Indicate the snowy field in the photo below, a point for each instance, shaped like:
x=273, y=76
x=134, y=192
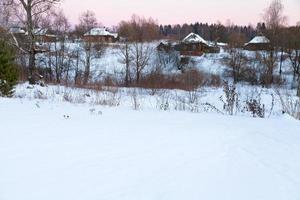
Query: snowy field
x=55, y=150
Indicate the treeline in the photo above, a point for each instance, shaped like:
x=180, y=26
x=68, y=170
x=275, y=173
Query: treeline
x=210, y=32
x=142, y=29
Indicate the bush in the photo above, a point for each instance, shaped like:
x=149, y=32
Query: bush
x=267, y=80
x=189, y=80
x=290, y=105
x=231, y=101
x=250, y=75
x=256, y=108
x=8, y=70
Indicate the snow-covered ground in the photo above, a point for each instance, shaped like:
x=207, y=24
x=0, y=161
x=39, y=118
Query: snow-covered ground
x=52, y=149
x=205, y=99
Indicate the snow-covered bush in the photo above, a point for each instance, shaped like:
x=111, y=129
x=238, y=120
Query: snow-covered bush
x=39, y=95
x=74, y=98
x=231, y=100
x=135, y=101
x=190, y=101
x=111, y=99
x=253, y=104
x=290, y=105
x=256, y=108
x=163, y=102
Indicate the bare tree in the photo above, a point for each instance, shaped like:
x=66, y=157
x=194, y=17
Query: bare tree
x=275, y=19
x=93, y=50
x=268, y=61
x=141, y=56
x=292, y=48
x=293, y=51
x=125, y=57
x=236, y=59
x=6, y=12
x=139, y=29
x=30, y=12
x=274, y=16
x=77, y=61
x=61, y=27
x=87, y=21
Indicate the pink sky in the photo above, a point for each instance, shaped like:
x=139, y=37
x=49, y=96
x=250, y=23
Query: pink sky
x=242, y=12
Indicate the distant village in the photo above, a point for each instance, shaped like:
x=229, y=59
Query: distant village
x=191, y=45
x=141, y=52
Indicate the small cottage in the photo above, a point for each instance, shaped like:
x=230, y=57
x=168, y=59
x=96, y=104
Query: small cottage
x=100, y=35
x=258, y=43
x=43, y=35
x=192, y=45
x=17, y=31
x=195, y=45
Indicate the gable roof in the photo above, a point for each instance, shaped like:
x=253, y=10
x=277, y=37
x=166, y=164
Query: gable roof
x=259, y=40
x=194, y=38
x=100, y=32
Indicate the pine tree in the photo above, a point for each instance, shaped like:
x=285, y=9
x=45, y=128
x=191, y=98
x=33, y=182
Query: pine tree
x=8, y=71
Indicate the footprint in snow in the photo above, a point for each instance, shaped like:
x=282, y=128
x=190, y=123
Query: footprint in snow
x=93, y=111
x=66, y=116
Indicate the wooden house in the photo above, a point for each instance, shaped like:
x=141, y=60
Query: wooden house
x=258, y=43
x=17, y=31
x=43, y=35
x=195, y=45
x=100, y=35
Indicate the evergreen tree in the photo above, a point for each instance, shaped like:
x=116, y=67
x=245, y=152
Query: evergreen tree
x=8, y=71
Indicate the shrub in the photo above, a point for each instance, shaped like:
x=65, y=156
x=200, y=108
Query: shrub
x=250, y=75
x=8, y=70
x=256, y=108
x=231, y=101
x=105, y=98
x=266, y=80
x=290, y=105
x=189, y=80
x=215, y=81
x=163, y=102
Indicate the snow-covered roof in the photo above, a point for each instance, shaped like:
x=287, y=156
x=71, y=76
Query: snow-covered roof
x=259, y=40
x=39, y=31
x=16, y=30
x=101, y=32
x=194, y=38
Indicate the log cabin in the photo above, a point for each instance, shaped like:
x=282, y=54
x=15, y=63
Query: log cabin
x=43, y=36
x=100, y=35
x=195, y=45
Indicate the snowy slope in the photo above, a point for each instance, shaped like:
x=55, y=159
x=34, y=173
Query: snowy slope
x=123, y=154
x=176, y=100
x=109, y=64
